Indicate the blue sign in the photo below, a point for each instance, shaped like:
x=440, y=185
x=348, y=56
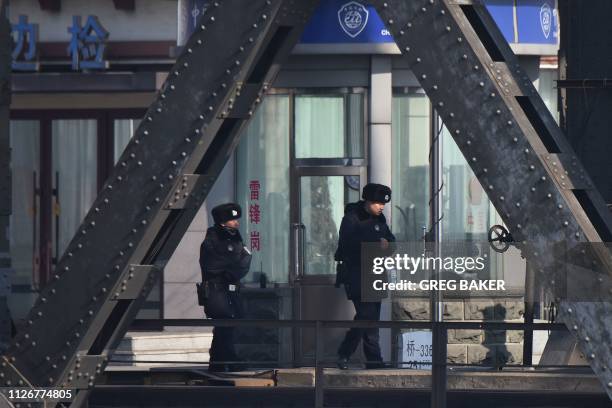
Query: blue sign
x=24, y=49
x=345, y=22
x=502, y=12
x=538, y=22
x=524, y=22
x=88, y=44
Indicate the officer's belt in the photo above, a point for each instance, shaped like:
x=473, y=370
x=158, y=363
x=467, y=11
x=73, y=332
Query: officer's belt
x=224, y=286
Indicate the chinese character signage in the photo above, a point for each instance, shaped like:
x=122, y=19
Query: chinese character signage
x=86, y=44
x=254, y=215
x=25, y=37
x=416, y=350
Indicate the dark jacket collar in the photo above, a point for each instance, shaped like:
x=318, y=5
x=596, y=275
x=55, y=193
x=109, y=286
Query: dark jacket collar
x=359, y=209
x=225, y=233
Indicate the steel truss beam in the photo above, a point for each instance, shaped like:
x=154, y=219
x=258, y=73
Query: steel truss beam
x=161, y=180
x=520, y=156
x=474, y=81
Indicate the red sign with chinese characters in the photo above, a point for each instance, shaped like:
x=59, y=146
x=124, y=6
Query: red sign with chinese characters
x=254, y=214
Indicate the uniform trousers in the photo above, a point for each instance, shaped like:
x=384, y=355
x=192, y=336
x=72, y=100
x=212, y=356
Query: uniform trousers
x=369, y=336
x=223, y=304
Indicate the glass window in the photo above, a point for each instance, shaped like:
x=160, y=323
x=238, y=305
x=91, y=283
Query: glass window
x=25, y=159
x=322, y=202
x=75, y=172
x=262, y=168
x=468, y=214
x=410, y=166
x=329, y=126
x=123, y=130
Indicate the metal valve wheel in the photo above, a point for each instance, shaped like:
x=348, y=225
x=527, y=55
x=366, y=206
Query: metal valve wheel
x=499, y=238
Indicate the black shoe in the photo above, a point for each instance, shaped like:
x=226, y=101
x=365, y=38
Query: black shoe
x=343, y=363
x=377, y=365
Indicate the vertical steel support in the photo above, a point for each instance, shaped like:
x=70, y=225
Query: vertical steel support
x=5, y=174
x=438, y=369
x=528, y=316
x=439, y=334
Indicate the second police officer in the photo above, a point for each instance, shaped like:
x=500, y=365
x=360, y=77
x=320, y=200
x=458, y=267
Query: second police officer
x=363, y=222
x=224, y=260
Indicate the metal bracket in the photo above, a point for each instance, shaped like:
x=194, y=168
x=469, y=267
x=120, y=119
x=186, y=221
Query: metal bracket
x=84, y=370
x=134, y=281
x=239, y=104
x=187, y=192
x=500, y=73
x=566, y=171
x=10, y=375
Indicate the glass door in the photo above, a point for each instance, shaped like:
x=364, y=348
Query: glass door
x=24, y=231
x=321, y=194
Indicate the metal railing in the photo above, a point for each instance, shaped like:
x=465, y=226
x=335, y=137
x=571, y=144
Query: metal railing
x=439, y=355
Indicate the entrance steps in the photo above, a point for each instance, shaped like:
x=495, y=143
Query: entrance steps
x=154, y=349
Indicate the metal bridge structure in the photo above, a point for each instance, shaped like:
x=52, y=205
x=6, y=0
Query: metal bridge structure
x=474, y=81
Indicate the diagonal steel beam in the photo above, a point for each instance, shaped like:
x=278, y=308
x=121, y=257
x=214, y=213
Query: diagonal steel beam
x=160, y=181
x=467, y=70
x=519, y=155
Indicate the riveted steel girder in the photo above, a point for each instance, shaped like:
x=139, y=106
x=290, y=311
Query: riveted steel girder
x=519, y=154
x=160, y=181
x=474, y=81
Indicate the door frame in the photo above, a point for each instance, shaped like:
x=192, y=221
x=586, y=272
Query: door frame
x=297, y=173
x=297, y=282
x=105, y=145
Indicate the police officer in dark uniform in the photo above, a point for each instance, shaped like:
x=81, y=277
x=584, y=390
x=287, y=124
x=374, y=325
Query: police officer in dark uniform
x=224, y=260
x=363, y=221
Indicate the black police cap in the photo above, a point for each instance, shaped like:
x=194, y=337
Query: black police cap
x=226, y=212
x=376, y=192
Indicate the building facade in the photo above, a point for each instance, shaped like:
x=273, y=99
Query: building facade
x=345, y=110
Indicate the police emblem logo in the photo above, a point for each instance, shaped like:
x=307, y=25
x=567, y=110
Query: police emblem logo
x=386, y=197
x=546, y=16
x=377, y=227
x=353, y=18
x=230, y=248
x=234, y=213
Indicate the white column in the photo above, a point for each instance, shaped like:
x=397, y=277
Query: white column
x=381, y=94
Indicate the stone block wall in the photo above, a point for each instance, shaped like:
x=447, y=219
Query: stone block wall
x=487, y=347
x=264, y=343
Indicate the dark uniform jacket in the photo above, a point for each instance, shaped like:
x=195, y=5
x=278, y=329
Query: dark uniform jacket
x=223, y=258
x=357, y=226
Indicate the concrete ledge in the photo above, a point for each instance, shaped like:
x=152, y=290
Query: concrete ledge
x=460, y=381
